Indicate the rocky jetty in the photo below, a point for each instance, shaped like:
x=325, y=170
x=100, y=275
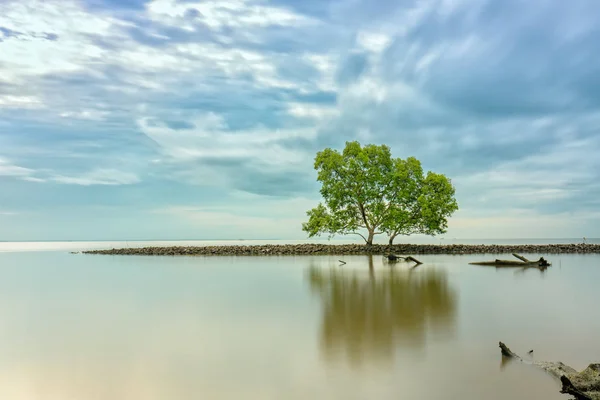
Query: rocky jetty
x=350, y=249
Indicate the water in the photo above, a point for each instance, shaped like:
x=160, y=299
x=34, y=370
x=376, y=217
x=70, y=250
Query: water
x=163, y=328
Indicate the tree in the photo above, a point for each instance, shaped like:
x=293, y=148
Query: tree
x=418, y=204
x=365, y=189
x=353, y=189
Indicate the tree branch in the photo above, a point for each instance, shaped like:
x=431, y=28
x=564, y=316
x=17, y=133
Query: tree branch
x=364, y=215
x=359, y=234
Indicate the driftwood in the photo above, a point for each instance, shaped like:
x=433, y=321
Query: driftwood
x=524, y=262
x=395, y=258
x=411, y=258
x=508, y=263
x=583, y=385
x=520, y=257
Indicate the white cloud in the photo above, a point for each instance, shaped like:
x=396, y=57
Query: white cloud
x=215, y=60
x=99, y=177
x=373, y=41
x=54, y=38
x=23, y=102
x=34, y=179
x=326, y=64
x=556, y=174
x=219, y=14
x=210, y=139
x=90, y=115
x=33, y=53
x=313, y=111
x=8, y=169
x=426, y=60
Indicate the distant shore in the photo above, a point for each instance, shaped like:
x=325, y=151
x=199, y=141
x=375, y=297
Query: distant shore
x=349, y=249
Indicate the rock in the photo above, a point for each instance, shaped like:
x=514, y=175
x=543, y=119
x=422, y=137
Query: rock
x=351, y=249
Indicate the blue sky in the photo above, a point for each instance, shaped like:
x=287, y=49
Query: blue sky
x=171, y=119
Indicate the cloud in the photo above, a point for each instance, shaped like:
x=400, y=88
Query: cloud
x=208, y=153
x=531, y=224
x=276, y=217
x=312, y=111
x=209, y=137
x=8, y=169
x=238, y=14
x=479, y=101
x=93, y=115
x=239, y=95
x=21, y=102
x=372, y=41
x=99, y=177
x=48, y=42
x=94, y=177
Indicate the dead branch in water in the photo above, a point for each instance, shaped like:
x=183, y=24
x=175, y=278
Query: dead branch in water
x=520, y=257
x=411, y=258
x=524, y=262
x=508, y=263
x=395, y=258
x=583, y=385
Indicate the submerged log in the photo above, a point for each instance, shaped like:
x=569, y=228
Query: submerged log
x=395, y=258
x=524, y=262
x=510, y=263
x=583, y=385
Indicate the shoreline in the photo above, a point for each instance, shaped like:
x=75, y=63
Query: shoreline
x=350, y=249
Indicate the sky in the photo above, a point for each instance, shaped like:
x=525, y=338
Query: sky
x=189, y=119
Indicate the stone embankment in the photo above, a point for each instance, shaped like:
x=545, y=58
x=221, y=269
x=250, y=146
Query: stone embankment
x=350, y=249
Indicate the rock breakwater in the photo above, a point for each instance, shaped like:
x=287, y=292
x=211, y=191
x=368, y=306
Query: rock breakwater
x=350, y=249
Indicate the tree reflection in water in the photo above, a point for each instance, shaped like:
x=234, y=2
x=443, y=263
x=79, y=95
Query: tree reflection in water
x=367, y=314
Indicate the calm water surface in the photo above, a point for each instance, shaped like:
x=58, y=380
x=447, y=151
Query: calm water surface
x=161, y=328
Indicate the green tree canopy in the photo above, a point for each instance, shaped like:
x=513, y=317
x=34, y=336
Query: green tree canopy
x=367, y=192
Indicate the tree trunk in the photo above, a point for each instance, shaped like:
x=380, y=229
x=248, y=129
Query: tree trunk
x=392, y=237
x=370, y=238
